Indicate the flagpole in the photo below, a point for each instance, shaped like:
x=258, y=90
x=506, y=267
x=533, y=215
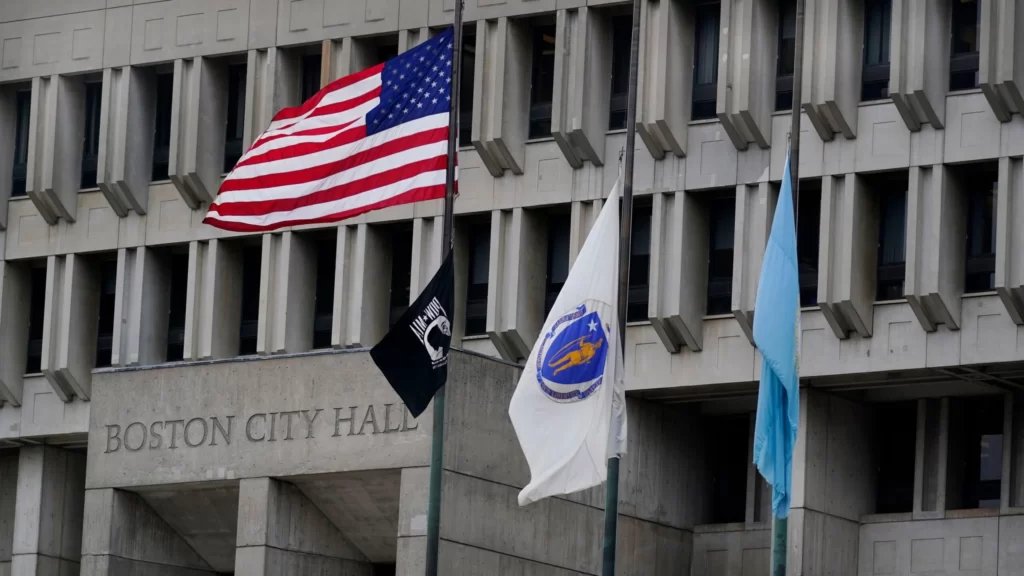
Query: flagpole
x=437, y=438
x=780, y=529
x=611, y=502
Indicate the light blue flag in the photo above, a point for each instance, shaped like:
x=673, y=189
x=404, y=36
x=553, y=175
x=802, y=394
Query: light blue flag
x=777, y=336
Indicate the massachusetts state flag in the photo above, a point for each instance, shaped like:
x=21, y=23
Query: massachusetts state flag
x=372, y=139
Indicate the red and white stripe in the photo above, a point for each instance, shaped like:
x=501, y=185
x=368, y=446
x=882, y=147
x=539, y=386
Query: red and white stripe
x=315, y=163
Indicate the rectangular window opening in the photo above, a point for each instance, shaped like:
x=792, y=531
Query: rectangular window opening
x=22, y=111
x=785, y=55
x=722, y=213
x=105, y=325
x=323, y=308
x=979, y=184
x=466, y=86
x=963, y=54
x=36, y=315
x=895, y=443
x=236, y=116
x=892, y=235
x=875, y=74
x=622, y=31
x=639, y=264
x=91, y=144
x=310, y=82
x=476, y=281
x=727, y=441
x=557, y=261
x=178, y=279
x=252, y=261
x=162, y=131
x=705, y=60
x=807, y=230
x=401, y=271
x=975, y=453
x=542, y=78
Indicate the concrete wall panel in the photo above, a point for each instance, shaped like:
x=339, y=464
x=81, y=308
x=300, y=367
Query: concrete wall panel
x=187, y=28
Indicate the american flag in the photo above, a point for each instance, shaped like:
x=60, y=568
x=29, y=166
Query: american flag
x=372, y=139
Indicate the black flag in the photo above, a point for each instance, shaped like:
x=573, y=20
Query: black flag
x=414, y=355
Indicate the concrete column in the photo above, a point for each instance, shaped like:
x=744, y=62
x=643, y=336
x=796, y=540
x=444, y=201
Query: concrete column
x=140, y=308
x=1011, y=496
x=746, y=71
x=347, y=56
x=8, y=497
x=679, y=270
x=264, y=95
x=362, y=278
x=196, y=159
x=834, y=32
x=123, y=536
x=281, y=533
x=408, y=39
x=501, y=94
x=213, y=306
x=69, y=325
x=48, y=513
x=1001, y=55
x=664, y=87
x=287, y=294
x=930, y=463
x=127, y=122
x=583, y=59
x=755, y=209
x=582, y=218
x=1009, y=278
x=515, y=282
x=919, y=61
x=56, y=136
x=8, y=125
x=427, y=237
x=935, y=246
x=15, y=284
x=411, y=556
x=759, y=492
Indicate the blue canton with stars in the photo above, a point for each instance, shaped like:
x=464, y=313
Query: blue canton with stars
x=414, y=84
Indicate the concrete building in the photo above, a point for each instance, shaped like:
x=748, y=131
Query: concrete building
x=179, y=400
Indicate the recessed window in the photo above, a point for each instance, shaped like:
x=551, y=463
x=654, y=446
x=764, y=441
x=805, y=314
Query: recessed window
x=36, y=315
x=975, y=452
x=401, y=272
x=622, y=33
x=705, y=60
x=162, y=132
x=981, y=232
x=476, y=285
x=727, y=443
x=892, y=244
x=105, y=326
x=236, y=116
x=91, y=145
x=895, y=448
x=963, y=59
x=785, y=55
x=178, y=281
x=639, y=264
x=557, y=259
x=542, y=78
x=807, y=230
x=252, y=260
x=466, y=86
x=386, y=51
x=722, y=213
x=22, y=111
x=875, y=74
x=310, y=82
x=323, y=308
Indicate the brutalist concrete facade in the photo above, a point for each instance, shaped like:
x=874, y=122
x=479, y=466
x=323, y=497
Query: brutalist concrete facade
x=217, y=441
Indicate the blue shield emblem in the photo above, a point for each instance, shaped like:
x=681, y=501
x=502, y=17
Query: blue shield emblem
x=571, y=359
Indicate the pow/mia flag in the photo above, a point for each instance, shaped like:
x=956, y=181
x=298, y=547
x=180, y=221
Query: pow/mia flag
x=414, y=355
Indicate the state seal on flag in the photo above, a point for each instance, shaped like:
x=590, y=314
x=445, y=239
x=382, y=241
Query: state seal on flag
x=571, y=359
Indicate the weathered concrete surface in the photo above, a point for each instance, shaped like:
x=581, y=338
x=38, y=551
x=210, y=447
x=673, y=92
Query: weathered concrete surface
x=48, y=513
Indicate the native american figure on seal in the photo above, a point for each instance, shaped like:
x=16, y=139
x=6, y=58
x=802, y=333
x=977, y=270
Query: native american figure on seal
x=575, y=353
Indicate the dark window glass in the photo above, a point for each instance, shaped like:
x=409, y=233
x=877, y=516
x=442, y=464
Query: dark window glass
x=557, y=259
x=542, y=78
x=105, y=325
x=310, y=76
x=401, y=272
x=23, y=109
x=622, y=30
x=875, y=76
x=236, y=116
x=386, y=52
x=785, y=57
x=639, y=264
x=727, y=445
x=981, y=239
x=892, y=245
x=36, y=315
x=963, y=62
x=896, y=446
x=705, y=60
x=384, y=569
x=808, y=222
x=722, y=215
x=975, y=452
x=162, y=134
x=252, y=260
x=91, y=145
x=476, y=285
x=466, y=86
x=176, y=306
x=323, y=313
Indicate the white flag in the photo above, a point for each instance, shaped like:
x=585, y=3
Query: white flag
x=569, y=406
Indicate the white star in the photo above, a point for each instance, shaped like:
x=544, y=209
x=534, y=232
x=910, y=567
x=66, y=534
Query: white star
x=435, y=100
x=406, y=111
x=592, y=326
x=433, y=84
x=435, y=68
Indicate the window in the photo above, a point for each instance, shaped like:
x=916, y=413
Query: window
x=875, y=76
x=323, y=308
x=176, y=305
x=91, y=145
x=639, y=264
x=310, y=83
x=401, y=272
x=476, y=288
x=727, y=445
x=892, y=245
x=963, y=60
x=387, y=51
x=557, y=259
x=23, y=108
x=466, y=86
x=36, y=315
x=162, y=133
x=622, y=32
x=236, y=116
x=722, y=215
x=105, y=325
x=807, y=225
x=252, y=260
x=542, y=78
x=785, y=56
x=705, y=60
x=975, y=452
x=981, y=238
x=895, y=449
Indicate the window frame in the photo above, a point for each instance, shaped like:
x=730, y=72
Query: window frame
x=540, y=110
x=22, y=114
x=875, y=76
x=93, y=110
x=963, y=62
x=705, y=95
x=234, y=126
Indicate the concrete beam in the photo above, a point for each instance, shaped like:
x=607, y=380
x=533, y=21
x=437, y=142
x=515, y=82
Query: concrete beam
x=746, y=71
x=1001, y=55
x=501, y=94
x=213, y=302
x=362, y=277
x=70, y=325
x=127, y=123
x=679, y=270
x=919, y=61
x=664, y=88
x=56, y=136
x=582, y=92
x=49, y=510
x=831, y=84
x=196, y=159
x=15, y=286
x=755, y=208
x=1009, y=276
x=427, y=237
x=515, y=284
x=287, y=294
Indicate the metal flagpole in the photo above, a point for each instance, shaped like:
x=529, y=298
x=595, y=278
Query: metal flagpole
x=437, y=439
x=611, y=502
x=781, y=525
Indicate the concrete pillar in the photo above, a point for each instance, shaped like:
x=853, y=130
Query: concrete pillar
x=408, y=39
x=48, y=513
x=15, y=284
x=1012, y=486
x=69, y=325
x=919, y=61
x=347, y=56
x=362, y=278
x=127, y=122
x=931, y=456
x=582, y=218
x=196, y=159
x=664, y=87
x=281, y=533
x=1009, y=278
x=411, y=555
x=8, y=497
x=213, y=305
x=56, y=136
x=582, y=92
x=501, y=94
x=427, y=237
x=834, y=31
x=935, y=246
x=679, y=270
x=287, y=294
x=755, y=209
x=1001, y=56
x=123, y=536
x=515, y=295
x=264, y=93
x=746, y=71
x=140, y=308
